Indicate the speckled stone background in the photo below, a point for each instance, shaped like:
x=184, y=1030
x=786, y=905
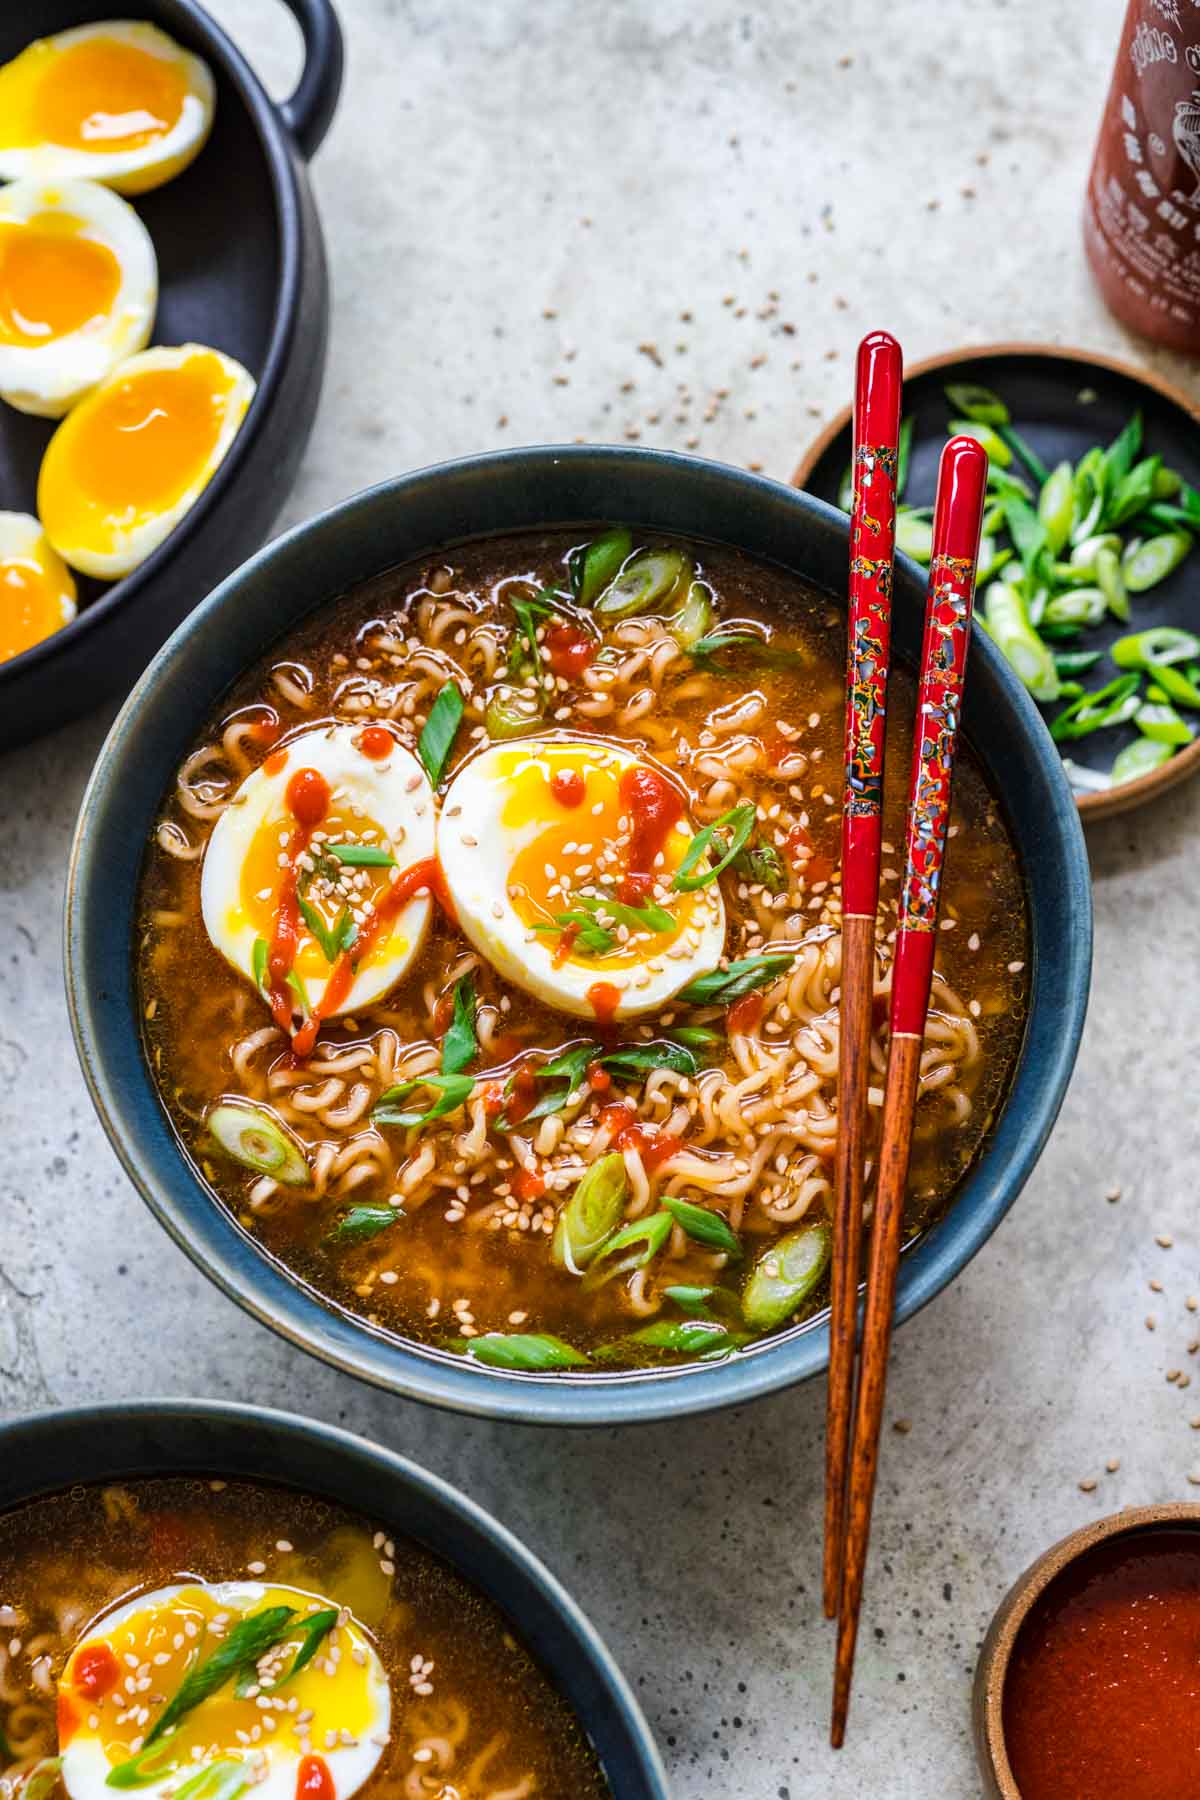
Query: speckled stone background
x=623, y=168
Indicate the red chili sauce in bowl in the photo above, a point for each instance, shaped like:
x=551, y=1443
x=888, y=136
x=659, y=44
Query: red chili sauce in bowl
x=1102, y=1693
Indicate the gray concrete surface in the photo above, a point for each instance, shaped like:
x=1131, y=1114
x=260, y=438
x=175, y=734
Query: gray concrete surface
x=918, y=165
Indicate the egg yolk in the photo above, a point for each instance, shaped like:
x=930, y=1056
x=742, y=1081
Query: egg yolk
x=132, y=450
x=96, y=94
x=34, y=603
x=583, y=848
x=174, y=1634
x=53, y=278
x=258, y=898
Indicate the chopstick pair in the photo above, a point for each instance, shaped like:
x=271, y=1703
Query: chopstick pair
x=854, y=1418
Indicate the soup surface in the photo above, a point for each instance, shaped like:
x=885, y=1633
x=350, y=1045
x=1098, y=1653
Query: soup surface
x=490, y=952
x=366, y=1665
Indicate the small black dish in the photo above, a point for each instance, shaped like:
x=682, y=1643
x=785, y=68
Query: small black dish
x=1062, y=401
x=241, y=266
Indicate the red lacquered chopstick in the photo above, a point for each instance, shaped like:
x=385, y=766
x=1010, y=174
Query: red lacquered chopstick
x=958, y=516
x=878, y=378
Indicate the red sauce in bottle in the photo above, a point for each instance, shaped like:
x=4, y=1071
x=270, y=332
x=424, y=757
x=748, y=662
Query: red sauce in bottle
x=1102, y=1696
x=1143, y=196
x=654, y=807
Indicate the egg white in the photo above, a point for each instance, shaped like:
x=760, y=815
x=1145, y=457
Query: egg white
x=24, y=544
x=139, y=168
x=477, y=849
x=393, y=792
x=46, y=379
x=86, y=1763
x=109, y=546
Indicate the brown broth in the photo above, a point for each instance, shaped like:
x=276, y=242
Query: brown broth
x=432, y=1276
x=70, y=1557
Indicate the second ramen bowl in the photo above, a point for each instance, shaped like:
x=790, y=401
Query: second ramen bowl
x=405, y=519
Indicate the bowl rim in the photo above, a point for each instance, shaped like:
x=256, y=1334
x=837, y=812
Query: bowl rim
x=1108, y=803
x=991, y=1671
x=251, y=1277
x=271, y=132
x=400, y=1472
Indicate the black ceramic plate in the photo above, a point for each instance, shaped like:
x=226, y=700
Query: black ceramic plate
x=240, y=267
x=1062, y=402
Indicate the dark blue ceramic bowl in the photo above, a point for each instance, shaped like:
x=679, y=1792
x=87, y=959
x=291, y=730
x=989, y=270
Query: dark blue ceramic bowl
x=515, y=491
x=183, y=1437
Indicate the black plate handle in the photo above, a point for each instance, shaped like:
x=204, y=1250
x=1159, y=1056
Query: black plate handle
x=307, y=113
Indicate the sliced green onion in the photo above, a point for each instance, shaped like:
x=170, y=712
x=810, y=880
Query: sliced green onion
x=724, y=986
x=1163, y=724
x=985, y=435
x=258, y=963
x=1056, y=506
x=697, y=1037
x=991, y=560
x=440, y=730
x=1008, y=623
x=1139, y=758
x=1089, y=495
x=1076, y=662
x=978, y=404
x=740, y=822
x=1084, y=554
x=1114, y=704
x=1112, y=584
x=694, y=618
x=244, y=1644
x=362, y=856
x=511, y=713
x=294, y=980
x=460, y=1044
x=903, y=456
x=642, y=1239
x=361, y=1223
x=785, y=1274
x=259, y=1141
x=1152, y=648
x=1144, y=565
x=594, y=565
x=42, y=1779
x=535, y=1352
x=649, y=581
x=914, y=536
x=637, y=918
x=710, y=1228
x=1079, y=606
x=452, y=1089
x=591, y=1214
x=687, y=1337
x=701, y=1300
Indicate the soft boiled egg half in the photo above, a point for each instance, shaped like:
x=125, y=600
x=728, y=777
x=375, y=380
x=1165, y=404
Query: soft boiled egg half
x=334, y=836
x=127, y=463
x=37, y=594
x=118, y=102
x=559, y=856
x=78, y=289
x=311, y=1688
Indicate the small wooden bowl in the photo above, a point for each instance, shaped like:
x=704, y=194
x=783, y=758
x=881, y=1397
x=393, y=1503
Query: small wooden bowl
x=1048, y=376
x=987, y=1700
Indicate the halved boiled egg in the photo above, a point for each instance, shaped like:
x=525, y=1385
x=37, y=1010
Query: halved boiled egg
x=310, y=1688
x=559, y=855
x=37, y=594
x=78, y=289
x=324, y=856
x=118, y=102
x=126, y=464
